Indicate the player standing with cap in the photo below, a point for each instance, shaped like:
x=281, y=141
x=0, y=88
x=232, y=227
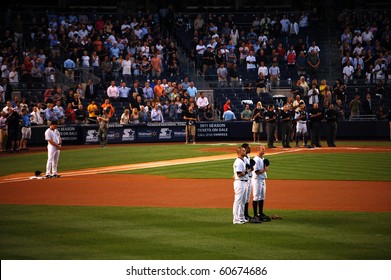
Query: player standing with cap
x=259, y=182
x=52, y=135
x=247, y=191
x=240, y=183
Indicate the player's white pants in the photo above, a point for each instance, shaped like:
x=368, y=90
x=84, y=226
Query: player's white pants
x=52, y=163
x=301, y=127
x=247, y=191
x=259, y=189
x=238, y=207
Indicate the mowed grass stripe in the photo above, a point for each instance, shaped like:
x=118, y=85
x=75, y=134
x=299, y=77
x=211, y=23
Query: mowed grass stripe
x=56, y=232
x=294, y=166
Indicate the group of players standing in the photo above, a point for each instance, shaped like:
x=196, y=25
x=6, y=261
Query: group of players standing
x=294, y=122
x=249, y=176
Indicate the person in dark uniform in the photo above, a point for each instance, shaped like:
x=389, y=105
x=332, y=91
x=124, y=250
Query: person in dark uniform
x=285, y=126
x=316, y=116
x=190, y=116
x=331, y=116
x=13, y=121
x=271, y=125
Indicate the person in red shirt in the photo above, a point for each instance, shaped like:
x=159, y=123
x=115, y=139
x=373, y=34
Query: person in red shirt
x=227, y=105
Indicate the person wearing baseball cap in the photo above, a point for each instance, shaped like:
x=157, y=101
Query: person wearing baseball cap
x=53, y=137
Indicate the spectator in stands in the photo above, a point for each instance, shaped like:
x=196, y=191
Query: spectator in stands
x=49, y=114
x=36, y=117
x=291, y=61
x=229, y=115
x=6, y=90
x=13, y=78
x=90, y=90
x=355, y=106
x=106, y=69
x=246, y=114
x=261, y=84
x=233, y=75
x=222, y=75
x=339, y=91
x=368, y=105
x=156, y=66
x=275, y=74
x=123, y=92
x=69, y=68
x=60, y=112
x=76, y=101
x=125, y=117
x=80, y=114
x=208, y=60
x=348, y=72
x=156, y=113
x=113, y=92
x=13, y=123
x=3, y=132
x=209, y=114
x=313, y=63
x=380, y=69
x=202, y=105
x=227, y=105
x=301, y=64
x=313, y=94
x=251, y=64
x=192, y=90
x=367, y=35
x=106, y=105
x=93, y=112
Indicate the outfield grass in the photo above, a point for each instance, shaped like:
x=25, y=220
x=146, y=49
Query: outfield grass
x=57, y=232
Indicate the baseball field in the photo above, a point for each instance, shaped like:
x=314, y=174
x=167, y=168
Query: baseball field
x=174, y=202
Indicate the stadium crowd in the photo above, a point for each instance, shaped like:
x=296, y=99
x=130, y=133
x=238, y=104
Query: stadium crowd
x=140, y=73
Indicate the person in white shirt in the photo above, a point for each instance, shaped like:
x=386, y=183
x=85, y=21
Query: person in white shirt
x=36, y=117
x=251, y=61
x=202, y=105
x=240, y=182
x=263, y=69
x=367, y=35
x=313, y=95
x=314, y=47
x=85, y=59
x=127, y=68
x=113, y=92
x=348, y=72
x=52, y=136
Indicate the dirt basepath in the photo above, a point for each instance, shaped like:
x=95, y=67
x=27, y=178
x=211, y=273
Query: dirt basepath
x=156, y=191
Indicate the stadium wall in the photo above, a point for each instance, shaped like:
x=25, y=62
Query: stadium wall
x=206, y=131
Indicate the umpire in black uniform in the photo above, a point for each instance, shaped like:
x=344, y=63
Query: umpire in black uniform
x=285, y=126
x=271, y=125
x=316, y=116
x=331, y=116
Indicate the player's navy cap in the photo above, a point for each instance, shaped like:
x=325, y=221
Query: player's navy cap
x=54, y=122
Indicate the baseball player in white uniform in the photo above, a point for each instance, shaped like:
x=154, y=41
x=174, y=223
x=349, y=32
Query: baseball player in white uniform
x=240, y=184
x=52, y=135
x=247, y=191
x=259, y=182
x=301, y=124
